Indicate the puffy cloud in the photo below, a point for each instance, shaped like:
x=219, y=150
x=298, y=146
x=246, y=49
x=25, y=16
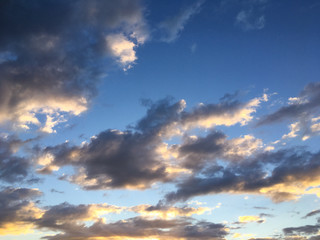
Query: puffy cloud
x=307, y=229
x=18, y=213
x=197, y=152
x=12, y=167
x=225, y=113
x=138, y=157
x=51, y=65
x=65, y=215
x=140, y=228
x=282, y=175
x=122, y=49
x=116, y=159
x=173, y=26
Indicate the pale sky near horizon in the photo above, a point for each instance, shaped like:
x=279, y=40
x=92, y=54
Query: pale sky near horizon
x=178, y=120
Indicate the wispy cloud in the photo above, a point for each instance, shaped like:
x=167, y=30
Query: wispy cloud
x=173, y=26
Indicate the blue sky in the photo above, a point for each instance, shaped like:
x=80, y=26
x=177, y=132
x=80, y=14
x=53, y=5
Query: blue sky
x=129, y=119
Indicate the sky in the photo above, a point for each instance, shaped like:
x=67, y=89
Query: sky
x=162, y=120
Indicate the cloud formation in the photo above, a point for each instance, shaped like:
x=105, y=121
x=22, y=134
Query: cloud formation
x=289, y=175
x=138, y=157
x=306, y=104
x=20, y=215
x=51, y=65
x=18, y=212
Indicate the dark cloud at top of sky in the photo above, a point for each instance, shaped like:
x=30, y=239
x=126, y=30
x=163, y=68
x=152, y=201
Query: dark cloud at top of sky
x=53, y=53
x=306, y=104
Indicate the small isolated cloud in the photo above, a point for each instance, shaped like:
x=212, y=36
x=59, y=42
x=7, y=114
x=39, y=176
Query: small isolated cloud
x=248, y=219
x=193, y=48
x=172, y=27
x=123, y=49
x=252, y=16
x=247, y=21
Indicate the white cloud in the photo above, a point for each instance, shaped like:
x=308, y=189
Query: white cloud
x=123, y=49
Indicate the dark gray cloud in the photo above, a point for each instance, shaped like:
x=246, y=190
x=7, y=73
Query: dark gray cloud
x=54, y=52
x=16, y=205
x=115, y=159
x=305, y=230
x=56, y=191
x=263, y=171
x=140, y=227
x=130, y=159
x=195, y=153
x=13, y=168
x=312, y=213
x=306, y=104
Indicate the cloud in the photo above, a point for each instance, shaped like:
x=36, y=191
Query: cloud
x=122, y=48
x=302, y=111
x=168, y=212
x=13, y=168
x=172, y=27
x=226, y=113
x=20, y=215
x=307, y=105
x=312, y=213
x=118, y=159
x=247, y=21
x=196, y=152
x=252, y=16
x=51, y=65
x=307, y=229
x=18, y=212
x=289, y=175
x=141, y=228
x=247, y=219
x=138, y=157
